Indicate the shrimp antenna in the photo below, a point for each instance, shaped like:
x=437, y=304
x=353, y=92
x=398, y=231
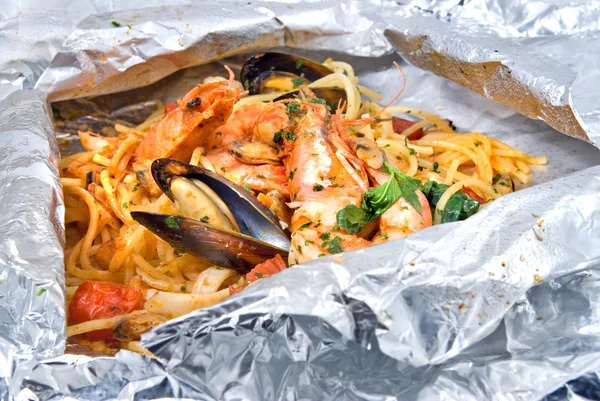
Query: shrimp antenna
x=401, y=89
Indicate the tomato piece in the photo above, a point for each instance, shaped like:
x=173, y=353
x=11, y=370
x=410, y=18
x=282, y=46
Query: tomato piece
x=473, y=195
x=97, y=300
x=261, y=270
x=400, y=125
x=170, y=107
x=266, y=268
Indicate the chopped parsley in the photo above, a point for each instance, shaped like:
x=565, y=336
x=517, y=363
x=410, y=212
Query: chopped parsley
x=333, y=246
x=247, y=188
x=298, y=81
x=383, y=235
x=125, y=206
x=223, y=169
x=317, y=187
x=259, y=275
x=496, y=178
x=135, y=188
x=305, y=225
x=41, y=291
x=293, y=108
x=292, y=173
x=477, y=143
x=117, y=24
x=204, y=219
x=324, y=236
x=277, y=136
x=299, y=247
x=182, y=288
x=307, y=242
x=435, y=167
x=290, y=136
x=171, y=222
x=260, y=176
x=299, y=63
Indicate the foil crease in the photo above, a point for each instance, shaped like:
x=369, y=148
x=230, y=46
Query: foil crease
x=31, y=234
x=457, y=311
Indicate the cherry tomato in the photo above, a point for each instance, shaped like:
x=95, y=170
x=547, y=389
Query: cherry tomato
x=473, y=195
x=97, y=300
x=261, y=270
x=401, y=124
x=170, y=107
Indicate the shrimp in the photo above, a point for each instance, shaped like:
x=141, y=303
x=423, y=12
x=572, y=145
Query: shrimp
x=401, y=219
x=185, y=127
x=323, y=178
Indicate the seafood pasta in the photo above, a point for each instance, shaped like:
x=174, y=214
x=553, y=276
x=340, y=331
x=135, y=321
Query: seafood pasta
x=240, y=179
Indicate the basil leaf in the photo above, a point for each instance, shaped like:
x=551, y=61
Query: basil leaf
x=433, y=192
x=459, y=207
x=378, y=200
x=351, y=218
x=408, y=186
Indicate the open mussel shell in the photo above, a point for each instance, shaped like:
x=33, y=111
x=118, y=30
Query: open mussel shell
x=252, y=218
x=222, y=247
x=254, y=69
x=334, y=97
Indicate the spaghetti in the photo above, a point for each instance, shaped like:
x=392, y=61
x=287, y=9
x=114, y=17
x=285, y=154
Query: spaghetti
x=147, y=281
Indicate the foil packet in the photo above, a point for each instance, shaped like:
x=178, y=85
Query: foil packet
x=501, y=306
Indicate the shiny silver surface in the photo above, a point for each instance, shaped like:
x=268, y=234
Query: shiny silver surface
x=503, y=306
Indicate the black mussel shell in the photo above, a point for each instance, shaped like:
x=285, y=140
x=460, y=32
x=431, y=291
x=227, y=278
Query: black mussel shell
x=252, y=217
x=222, y=247
x=255, y=66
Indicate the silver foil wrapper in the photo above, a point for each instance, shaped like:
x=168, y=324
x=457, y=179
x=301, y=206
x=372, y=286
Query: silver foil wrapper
x=502, y=306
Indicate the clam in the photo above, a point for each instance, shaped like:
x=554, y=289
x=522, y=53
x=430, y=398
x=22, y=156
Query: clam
x=281, y=72
x=220, y=221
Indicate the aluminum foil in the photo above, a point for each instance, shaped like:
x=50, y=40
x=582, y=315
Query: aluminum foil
x=458, y=311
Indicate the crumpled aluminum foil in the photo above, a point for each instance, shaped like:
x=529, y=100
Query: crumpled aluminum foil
x=455, y=311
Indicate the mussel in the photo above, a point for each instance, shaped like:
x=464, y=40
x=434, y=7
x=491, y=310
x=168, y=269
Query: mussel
x=220, y=221
x=281, y=72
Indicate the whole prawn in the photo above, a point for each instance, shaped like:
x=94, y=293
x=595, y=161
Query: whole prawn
x=186, y=126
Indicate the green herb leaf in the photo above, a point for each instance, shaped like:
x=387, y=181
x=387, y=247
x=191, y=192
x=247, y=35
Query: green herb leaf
x=377, y=200
x=290, y=136
x=41, y=291
x=248, y=189
x=135, y=188
x=298, y=81
x=333, y=246
x=496, y=178
x=307, y=242
x=324, y=236
x=117, y=24
x=299, y=247
x=292, y=173
x=292, y=108
x=171, y=222
x=460, y=206
x=125, y=205
x=182, y=288
x=435, y=167
x=305, y=225
x=277, y=136
x=204, y=219
x=317, y=187
x=258, y=274
x=351, y=218
x=299, y=63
